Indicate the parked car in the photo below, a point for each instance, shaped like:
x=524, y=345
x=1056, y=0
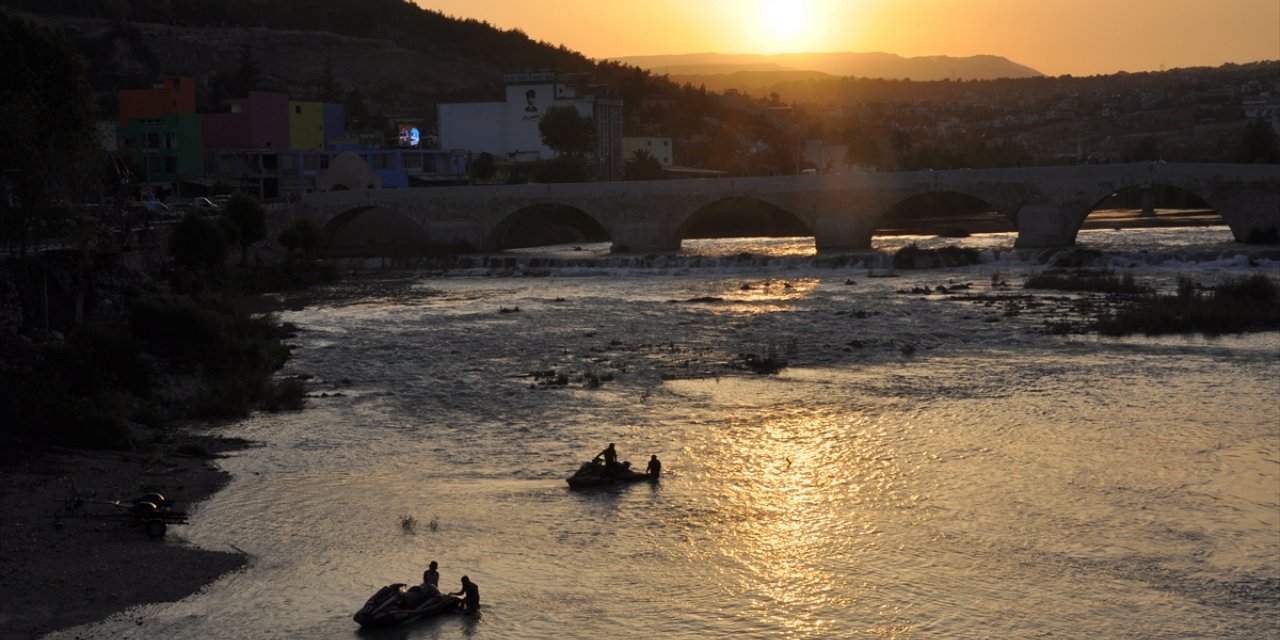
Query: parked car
x=159, y=209
x=205, y=205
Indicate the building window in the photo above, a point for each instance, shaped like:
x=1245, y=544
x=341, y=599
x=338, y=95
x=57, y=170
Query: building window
x=171, y=141
x=153, y=141
x=171, y=165
x=297, y=108
x=324, y=161
x=153, y=164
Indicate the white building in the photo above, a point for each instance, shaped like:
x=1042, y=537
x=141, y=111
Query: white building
x=509, y=129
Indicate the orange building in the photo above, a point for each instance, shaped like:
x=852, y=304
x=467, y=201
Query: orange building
x=174, y=95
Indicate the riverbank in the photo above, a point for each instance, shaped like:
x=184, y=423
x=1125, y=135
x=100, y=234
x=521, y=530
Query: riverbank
x=60, y=572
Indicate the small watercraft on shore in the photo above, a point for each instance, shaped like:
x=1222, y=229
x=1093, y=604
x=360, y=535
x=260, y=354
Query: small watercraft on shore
x=591, y=475
x=394, y=604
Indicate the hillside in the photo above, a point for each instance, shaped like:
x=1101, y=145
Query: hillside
x=402, y=59
x=708, y=68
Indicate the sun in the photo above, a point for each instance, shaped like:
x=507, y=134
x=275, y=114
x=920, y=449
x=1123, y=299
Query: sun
x=786, y=22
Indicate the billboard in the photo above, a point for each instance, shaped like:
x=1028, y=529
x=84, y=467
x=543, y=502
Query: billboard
x=410, y=136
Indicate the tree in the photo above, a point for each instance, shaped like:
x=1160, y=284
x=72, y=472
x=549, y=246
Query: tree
x=304, y=235
x=861, y=149
x=642, y=166
x=484, y=166
x=1258, y=144
x=329, y=91
x=567, y=132
x=248, y=75
x=198, y=241
x=249, y=218
x=46, y=129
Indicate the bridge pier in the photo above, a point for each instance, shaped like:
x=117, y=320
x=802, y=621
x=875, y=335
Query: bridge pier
x=848, y=233
x=1047, y=226
x=643, y=236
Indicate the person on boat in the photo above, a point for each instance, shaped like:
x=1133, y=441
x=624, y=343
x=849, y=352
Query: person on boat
x=610, y=456
x=655, y=467
x=431, y=578
x=470, y=594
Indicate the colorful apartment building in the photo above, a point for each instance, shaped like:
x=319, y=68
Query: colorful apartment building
x=306, y=126
x=165, y=150
x=174, y=94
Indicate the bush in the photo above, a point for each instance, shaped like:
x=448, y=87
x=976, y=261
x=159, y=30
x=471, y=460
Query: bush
x=198, y=242
x=1101, y=282
x=1235, y=306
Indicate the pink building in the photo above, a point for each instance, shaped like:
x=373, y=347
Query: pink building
x=260, y=121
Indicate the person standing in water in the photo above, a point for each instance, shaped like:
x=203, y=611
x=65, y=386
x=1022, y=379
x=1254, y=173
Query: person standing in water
x=655, y=467
x=431, y=577
x=470, y=595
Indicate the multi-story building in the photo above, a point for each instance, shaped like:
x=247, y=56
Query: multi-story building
x=509, y=129
x=174, y=94
x=166, y=151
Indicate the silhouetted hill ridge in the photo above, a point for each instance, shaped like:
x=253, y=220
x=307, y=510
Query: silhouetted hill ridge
x=864, y=65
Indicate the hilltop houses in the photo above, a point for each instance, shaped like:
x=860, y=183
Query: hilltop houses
x=264, y=144
x=508, y=130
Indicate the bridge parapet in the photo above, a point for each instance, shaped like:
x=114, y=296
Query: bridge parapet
x=1049, y=204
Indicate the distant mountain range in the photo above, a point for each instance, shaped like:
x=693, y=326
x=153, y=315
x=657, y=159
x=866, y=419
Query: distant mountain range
x=719, y=71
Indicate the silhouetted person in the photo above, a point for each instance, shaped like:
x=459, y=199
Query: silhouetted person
x=655, y=467
x=470, y=594
x=431, y=577
x=610, y=456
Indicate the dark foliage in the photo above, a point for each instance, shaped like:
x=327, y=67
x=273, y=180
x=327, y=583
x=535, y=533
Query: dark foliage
x=198, y=241
x=1101, y=282
x=1235, y=306
x=913, y=257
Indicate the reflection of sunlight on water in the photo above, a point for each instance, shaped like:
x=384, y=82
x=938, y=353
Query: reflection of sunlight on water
x=770, y=295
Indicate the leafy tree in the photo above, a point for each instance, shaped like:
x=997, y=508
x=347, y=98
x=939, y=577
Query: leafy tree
x=304, y=235
x=248, y=75
x=46, y=129
x=249, y=218
x=198, y=241
x=484, y=166
x=901, y=142
x=567, y=132
x=861, y=149
x=329, y=91
x=642, y=166
x=1258, y=144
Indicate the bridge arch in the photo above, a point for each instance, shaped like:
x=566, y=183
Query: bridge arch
x=1159, y=203
x=374, y=230
x=947, y=213
x=545, y=224
x=741, y=217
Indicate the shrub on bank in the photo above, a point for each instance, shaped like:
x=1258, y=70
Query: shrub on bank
x=1100, y=282
x=913, y=257
x=1235, y=306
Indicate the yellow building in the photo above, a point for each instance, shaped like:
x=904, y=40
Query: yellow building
x=306, y=126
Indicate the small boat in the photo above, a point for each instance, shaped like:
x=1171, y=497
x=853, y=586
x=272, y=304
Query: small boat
x=394, y=604
x=597, y=475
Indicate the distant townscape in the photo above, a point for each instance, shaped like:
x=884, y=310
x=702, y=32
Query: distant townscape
x=257, y=99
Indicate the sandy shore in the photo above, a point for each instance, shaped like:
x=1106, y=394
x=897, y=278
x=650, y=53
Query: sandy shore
x=60, y=572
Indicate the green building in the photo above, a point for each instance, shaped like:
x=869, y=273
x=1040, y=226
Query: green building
x=165, y=151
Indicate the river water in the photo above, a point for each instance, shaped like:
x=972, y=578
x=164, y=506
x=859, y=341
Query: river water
x=925, y=465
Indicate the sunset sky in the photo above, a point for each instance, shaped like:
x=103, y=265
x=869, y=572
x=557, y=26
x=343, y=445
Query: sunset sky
x=1079, y=37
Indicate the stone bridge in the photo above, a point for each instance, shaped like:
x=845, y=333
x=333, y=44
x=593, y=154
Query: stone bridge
x=1047, y=205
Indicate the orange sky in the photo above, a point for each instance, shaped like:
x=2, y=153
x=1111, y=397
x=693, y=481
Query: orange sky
x=1079, y=37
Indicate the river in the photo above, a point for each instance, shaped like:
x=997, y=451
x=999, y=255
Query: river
x=925, y=465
